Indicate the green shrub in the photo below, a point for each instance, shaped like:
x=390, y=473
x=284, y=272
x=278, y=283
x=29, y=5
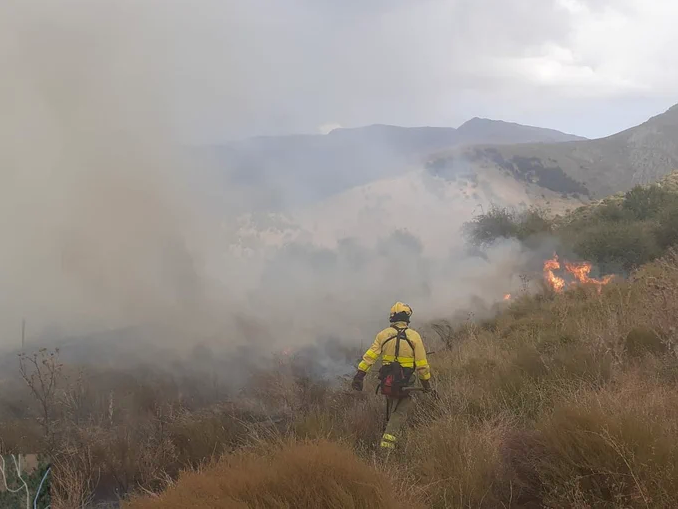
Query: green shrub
x=486, y=228
x=666, y=231
x=612, y=212
x=617, y=245
x=647, y=202
x=505, y=223
x=532, y=222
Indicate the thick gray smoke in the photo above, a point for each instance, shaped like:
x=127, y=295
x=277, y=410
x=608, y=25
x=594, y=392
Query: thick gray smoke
x=95, y=226
x=104, y=225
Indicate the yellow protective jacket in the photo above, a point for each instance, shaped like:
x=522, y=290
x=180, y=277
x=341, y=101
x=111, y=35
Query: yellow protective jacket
x=407, y=357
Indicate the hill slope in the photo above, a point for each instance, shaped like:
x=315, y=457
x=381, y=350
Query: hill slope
x=276, y=172
x=593, y=168
x=561, y=399
x=431, y=208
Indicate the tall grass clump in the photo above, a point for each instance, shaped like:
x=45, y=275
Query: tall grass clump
x=613, y=448
x=285, y=476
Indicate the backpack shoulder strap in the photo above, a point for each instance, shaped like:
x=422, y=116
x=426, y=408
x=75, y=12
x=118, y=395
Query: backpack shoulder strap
x=398, y=337
x=401, y=334
x=390, y=337
x=408, y=340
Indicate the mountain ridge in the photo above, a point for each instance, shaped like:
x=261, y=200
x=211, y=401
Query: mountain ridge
x=278, y=172
x=594, y=168
x=548, y=134
x=470, y=126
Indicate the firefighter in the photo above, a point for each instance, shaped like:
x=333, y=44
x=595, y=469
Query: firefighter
x=403, y=353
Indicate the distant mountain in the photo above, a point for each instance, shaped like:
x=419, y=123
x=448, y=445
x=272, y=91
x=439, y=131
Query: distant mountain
x=590, y=168
x=476, y=130
x=483, y=130
x=278, y=172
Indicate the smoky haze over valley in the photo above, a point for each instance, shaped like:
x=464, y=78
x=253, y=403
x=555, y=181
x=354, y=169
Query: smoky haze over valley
x=135, y=192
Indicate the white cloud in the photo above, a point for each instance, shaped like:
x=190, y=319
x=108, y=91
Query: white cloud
x=630, y=42
x=232, y=68
x=411, y=63
x=328, y=127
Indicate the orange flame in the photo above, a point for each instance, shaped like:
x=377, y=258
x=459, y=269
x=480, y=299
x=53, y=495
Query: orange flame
x=580, y=271
x=507, y=296
x=556, y=283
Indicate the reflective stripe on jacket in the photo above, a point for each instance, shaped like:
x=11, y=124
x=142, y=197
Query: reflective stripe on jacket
x=407, y=357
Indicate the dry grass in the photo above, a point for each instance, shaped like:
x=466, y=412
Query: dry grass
x=356, y=419
x=560, y=400
x=613, y=448
x=311, y=475
x=455, y=464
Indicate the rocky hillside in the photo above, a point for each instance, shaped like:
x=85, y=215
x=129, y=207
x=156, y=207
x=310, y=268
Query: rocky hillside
x=431, y=208
x=277, y=172
x=588, y=168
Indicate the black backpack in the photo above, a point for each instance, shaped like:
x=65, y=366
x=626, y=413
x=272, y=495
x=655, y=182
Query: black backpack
x=393, y=377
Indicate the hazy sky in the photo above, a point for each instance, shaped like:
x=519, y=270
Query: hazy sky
x=591, y=67
x=233, y=68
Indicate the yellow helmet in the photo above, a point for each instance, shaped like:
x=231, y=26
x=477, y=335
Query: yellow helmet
x=400, y=312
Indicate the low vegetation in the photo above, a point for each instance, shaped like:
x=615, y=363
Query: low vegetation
x=618, y=234
x=285, y=476
x=559, y=400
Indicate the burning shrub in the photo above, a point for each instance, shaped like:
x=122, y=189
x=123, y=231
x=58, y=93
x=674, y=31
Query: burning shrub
x=579, y=271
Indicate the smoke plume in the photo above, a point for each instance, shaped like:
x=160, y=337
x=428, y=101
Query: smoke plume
x=108, y=222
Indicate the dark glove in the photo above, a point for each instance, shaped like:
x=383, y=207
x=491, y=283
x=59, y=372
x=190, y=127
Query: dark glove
x=426, y=384
x=358, y=380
